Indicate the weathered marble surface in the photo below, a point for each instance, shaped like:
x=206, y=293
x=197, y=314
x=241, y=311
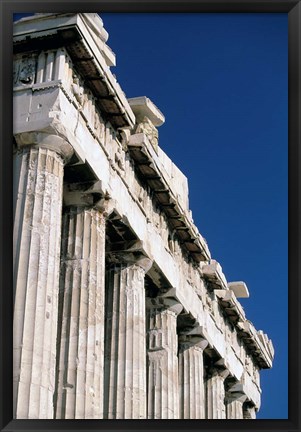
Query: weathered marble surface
x=79, y=392
x=162, y=356
x=192, y=377
x=37, y=234
x=125, y=355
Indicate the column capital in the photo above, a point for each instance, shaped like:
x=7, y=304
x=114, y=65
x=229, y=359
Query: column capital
x=130, y=259
x=46, y=140
x=217, y=370
x=236, y=392
x=169, y=304
x=236, y=396
x=89, y=194
x=132, y=254
x=144, y=262
x=191, y=340
x=249, y=411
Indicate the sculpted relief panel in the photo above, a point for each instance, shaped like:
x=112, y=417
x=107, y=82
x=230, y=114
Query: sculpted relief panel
x=24, y=70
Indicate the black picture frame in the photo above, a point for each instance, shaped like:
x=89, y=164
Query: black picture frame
x=293, y=9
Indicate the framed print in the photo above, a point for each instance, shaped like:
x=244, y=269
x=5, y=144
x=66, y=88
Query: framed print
x=151, y=198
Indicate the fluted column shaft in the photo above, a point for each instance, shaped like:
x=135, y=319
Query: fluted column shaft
x=38, y=180
x=216, y=408
x=234, y=405
x=81, y=315
x=163, y=387
x=125, y=351
x=191, y=379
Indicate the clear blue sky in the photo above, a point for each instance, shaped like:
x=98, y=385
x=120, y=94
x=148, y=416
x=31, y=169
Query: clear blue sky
x=221, y=82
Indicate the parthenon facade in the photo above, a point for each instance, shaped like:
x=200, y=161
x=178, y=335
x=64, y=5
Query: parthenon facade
x=120, y=312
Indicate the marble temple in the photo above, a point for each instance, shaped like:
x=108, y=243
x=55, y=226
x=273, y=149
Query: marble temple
x=120, y=312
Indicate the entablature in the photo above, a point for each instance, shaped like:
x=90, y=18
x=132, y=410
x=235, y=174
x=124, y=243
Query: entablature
x=213, y=274
x=71, y=31
x=145, y=159
x=257, y=342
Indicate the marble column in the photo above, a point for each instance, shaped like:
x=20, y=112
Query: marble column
x=162, y=359
x=249, y=412
x=191, y=377
x=125, y=349
x=215, y=393
x=80, y=364
x=38, y=181
x=234, y=405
